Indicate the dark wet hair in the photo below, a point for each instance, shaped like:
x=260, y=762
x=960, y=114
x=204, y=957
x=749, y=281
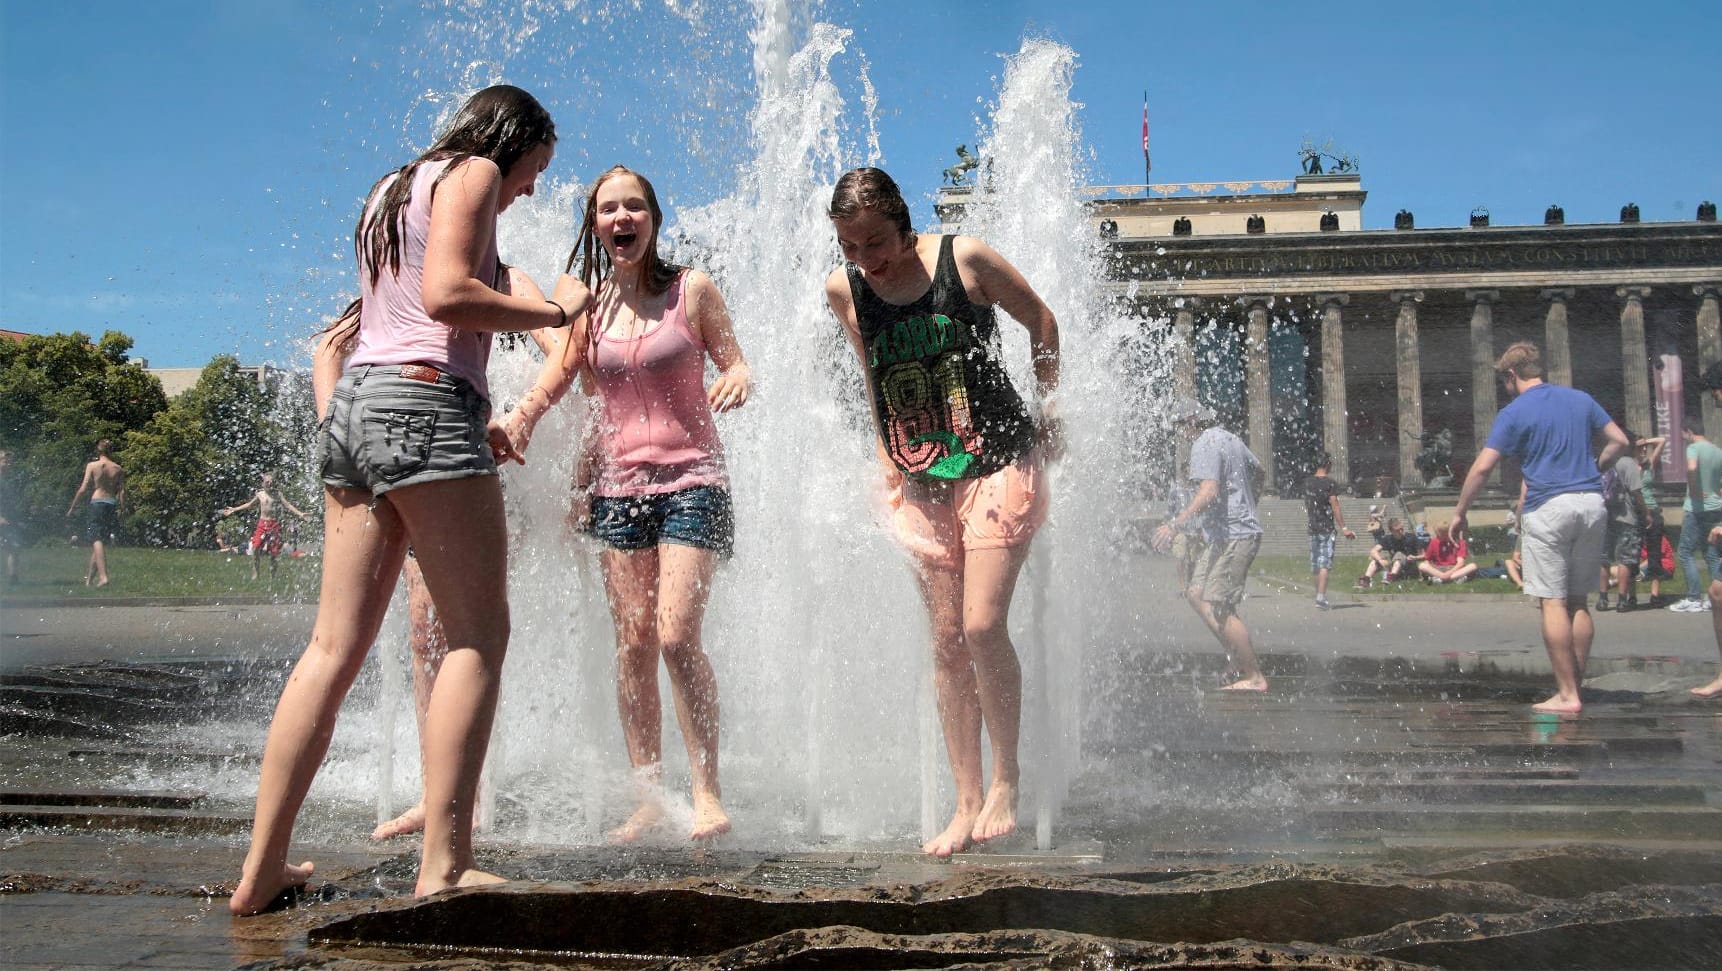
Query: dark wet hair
x=870, y=188
x=346, y=326
x=1711, y=379
x=501, y=123
x=589, y=253
x=1323, y=460
x=104, y=447
x=1694, y=424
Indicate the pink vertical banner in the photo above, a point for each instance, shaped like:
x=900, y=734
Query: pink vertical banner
x=1670, y=415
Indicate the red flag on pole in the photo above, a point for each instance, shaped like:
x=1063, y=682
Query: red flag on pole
x=1147, y=166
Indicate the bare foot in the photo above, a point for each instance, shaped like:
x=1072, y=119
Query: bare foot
x=954, y=839
x=1710, y=690
x=102, y=582
x=645, y=819
x=1257, y=683
x=467, y=878
x=1559, y=706
x=998, y=816
x=254, y=895
x=710, y=821
x=411, y=821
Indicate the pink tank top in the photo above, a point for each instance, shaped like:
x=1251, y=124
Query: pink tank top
x=393, y=325
x=658, y=433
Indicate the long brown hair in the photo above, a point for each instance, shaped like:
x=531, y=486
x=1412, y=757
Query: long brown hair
x=594, y=261
x=501, y=123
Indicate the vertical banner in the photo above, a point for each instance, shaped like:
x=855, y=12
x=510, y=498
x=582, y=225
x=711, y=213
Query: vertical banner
x=1670, y=415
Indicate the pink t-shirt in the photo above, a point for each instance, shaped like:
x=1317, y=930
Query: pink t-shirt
x=658, y=433
x=393, y=325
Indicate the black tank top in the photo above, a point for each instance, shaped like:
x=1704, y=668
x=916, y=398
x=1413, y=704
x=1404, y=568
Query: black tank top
x=945, y=406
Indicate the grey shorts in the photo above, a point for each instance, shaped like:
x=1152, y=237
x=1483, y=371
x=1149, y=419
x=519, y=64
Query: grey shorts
x=1623, y=543
x=1561, y=544
x=384, y=431
x=1220, y=569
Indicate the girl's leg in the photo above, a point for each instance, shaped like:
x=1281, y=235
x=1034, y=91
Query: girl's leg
x=460, y=537
x=631, y=585
x=959, y=702
x=362, y=551
x=989, y=581
x=684, y=585
x=427, y=645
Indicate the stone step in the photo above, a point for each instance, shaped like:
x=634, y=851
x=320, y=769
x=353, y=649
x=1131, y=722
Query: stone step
x=1652, y=822
x=1514, y=792
x=126, y=798
x=186, y=821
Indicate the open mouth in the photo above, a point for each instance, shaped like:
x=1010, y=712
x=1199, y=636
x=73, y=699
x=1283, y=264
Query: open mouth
x=624, y=240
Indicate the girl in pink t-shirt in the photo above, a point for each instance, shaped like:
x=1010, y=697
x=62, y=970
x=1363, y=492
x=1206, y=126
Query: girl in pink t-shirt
x=654, y=476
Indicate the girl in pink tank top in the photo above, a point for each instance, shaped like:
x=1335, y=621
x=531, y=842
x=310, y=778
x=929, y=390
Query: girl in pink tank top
x=653, y=473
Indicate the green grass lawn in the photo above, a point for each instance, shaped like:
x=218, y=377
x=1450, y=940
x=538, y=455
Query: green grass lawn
x=58, y=571
x=1346, y=570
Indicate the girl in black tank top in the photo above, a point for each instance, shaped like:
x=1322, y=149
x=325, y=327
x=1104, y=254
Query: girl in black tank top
x=945, y=406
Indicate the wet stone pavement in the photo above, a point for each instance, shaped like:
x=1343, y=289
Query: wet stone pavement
x=1371, y=812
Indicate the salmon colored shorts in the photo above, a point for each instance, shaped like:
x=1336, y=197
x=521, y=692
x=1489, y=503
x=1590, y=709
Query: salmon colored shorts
x=939, y=521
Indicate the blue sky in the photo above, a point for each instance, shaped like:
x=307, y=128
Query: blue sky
x=188, y=171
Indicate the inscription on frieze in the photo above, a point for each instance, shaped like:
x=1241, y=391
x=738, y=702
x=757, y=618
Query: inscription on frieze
x=1467, y=257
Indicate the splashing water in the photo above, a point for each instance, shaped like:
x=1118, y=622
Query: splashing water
x=815, y=629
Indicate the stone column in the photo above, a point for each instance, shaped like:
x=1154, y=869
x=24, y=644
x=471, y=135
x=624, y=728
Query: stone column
x=1410, y=387
x=1484, y=403
x=1184, y=365
x=1335, y=427
x=1709, y=351
x=1634, y=359
x=1557, y=348
x=1257, y=393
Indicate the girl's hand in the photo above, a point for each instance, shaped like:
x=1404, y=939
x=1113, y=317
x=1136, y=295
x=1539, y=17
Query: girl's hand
x=501, y=445
x=731, y=389
x=519, y=433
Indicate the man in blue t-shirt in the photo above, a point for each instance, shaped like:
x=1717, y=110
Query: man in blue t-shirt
x=1562, y=520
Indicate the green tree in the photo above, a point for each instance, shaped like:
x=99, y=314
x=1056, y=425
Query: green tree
x=60, y=394
x=209, y=448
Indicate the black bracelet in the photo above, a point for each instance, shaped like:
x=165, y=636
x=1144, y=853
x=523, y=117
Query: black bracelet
x=560, y=312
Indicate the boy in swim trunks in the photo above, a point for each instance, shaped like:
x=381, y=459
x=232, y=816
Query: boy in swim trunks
x=267, y=538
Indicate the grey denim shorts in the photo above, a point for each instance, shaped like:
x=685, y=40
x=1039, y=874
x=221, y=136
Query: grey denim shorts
x=384, y=431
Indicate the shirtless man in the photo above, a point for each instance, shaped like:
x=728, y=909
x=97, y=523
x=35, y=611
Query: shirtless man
x=268, y=535
x=105, y=481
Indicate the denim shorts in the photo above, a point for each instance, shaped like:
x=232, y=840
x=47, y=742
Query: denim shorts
x=700, y=517
x=384, y=431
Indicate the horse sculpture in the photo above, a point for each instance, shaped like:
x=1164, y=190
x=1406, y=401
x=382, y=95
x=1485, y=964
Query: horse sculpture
x=967, y=162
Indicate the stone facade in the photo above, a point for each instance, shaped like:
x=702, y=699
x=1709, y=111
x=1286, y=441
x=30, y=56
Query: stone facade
x=1371, y=343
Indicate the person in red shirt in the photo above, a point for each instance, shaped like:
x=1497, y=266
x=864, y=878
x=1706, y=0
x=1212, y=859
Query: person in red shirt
x=1446, y=560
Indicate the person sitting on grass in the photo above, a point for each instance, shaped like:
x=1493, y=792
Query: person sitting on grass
x=1516, y=569
x=1446, y=560
x=1395, y=552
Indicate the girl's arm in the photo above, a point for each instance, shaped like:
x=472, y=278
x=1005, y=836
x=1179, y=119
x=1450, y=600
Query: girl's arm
x=842, y=304
x=563, y=356
x=329, y=356
x=998, y=282
x=462, y=226
x=710, y=321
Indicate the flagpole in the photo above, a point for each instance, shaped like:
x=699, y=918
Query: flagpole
x=1147, y=163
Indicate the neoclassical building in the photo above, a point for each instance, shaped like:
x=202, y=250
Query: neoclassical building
x=1307, y=332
